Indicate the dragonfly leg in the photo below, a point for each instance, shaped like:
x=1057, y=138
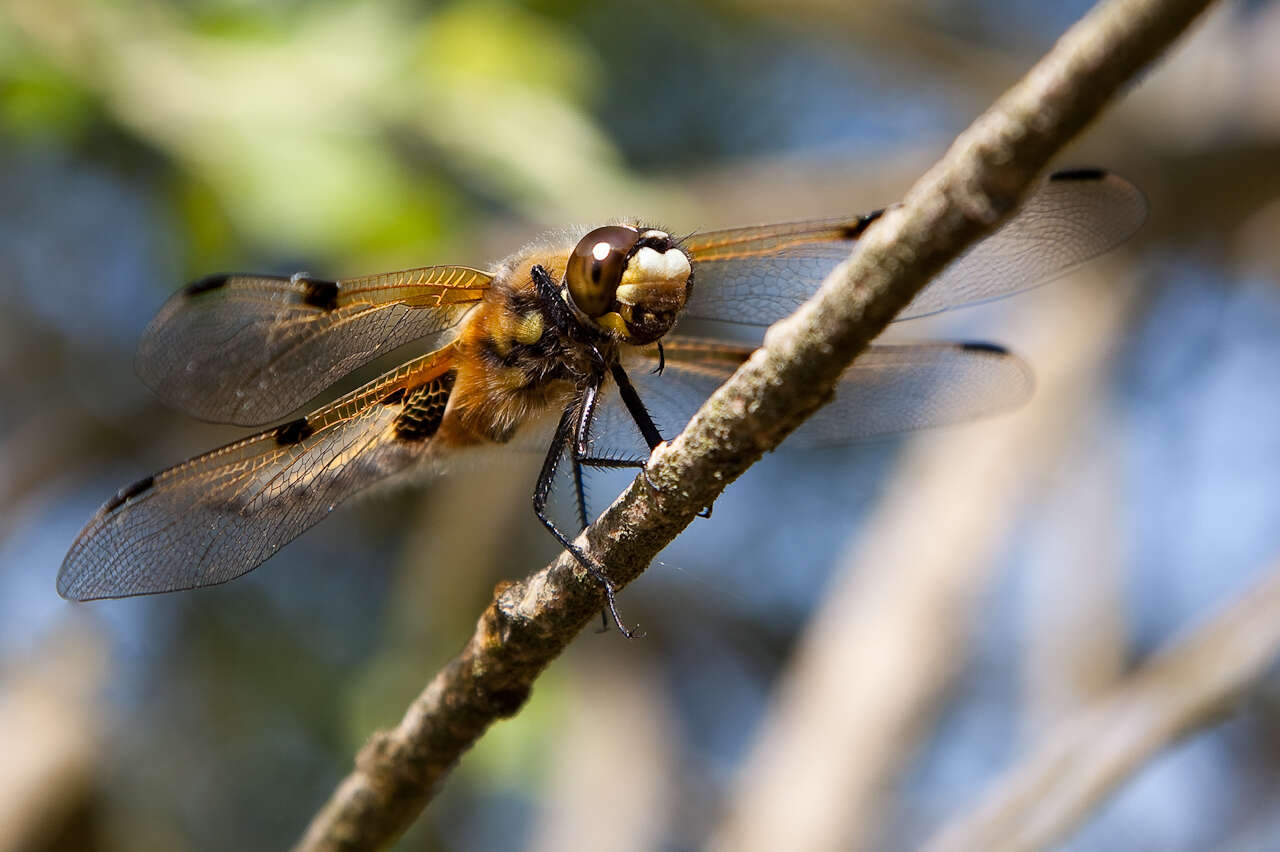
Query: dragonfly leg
x=662, y=361
x=562, y=441
x=581, y=444
x=610, y=463
x=580, y=495
x=635, y=407
x=579, y=457
x=640, y=414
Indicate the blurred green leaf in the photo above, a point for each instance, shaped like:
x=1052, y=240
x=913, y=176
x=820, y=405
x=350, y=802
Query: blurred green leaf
x=333, y=130
x=37, y=101
x=501, y=43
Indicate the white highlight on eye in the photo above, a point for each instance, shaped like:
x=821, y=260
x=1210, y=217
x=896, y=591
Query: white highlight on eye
x=601, y=250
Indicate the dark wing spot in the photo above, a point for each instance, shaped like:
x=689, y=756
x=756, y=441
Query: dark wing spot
x=394, y=398
x=1078, y=174
x=320, y=294
x=854, y=230
x=980, y=346
x=424, y=409
x=205, y=284
x=293, y=432
x=129, y=491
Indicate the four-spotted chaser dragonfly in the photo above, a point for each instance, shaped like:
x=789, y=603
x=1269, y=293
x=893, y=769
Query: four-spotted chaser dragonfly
x=577, y=326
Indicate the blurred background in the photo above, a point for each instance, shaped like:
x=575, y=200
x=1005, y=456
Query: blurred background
x=996, y=577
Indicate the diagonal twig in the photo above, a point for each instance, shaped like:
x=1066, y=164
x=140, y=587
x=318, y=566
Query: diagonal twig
x=961, y=199
x=865, y=684
x=1190, y=684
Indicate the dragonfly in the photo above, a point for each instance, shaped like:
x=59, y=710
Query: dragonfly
x=572, y=334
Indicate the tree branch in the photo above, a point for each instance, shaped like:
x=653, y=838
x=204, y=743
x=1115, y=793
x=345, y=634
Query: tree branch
x=961, y=199
x=866, y=681
x=1188, y=685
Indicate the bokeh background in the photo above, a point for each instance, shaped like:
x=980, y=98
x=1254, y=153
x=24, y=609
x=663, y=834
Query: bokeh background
x=1033, y=559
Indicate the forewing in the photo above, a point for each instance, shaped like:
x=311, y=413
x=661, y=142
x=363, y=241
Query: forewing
x=249, y=349
x=888, y=389
x=218, y=515
x=756, y=276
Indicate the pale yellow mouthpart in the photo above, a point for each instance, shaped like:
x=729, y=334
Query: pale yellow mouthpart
x=652, y=274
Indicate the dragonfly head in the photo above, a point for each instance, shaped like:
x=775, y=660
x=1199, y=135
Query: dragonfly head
x=629, y=282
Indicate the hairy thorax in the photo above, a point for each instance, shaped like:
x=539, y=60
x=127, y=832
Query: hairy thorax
x=515, y=366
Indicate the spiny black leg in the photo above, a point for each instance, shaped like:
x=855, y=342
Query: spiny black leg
x=662, y=361
x=549, y=295
x=580, y=493
x=586, y=415
x=639, y=414
x=582, y=439
x=563, y=440
x=635, y=407
x=645, y=423
x=586, y=409
x=612, y=463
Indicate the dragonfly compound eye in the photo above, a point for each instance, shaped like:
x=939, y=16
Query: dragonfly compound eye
x=596, y=266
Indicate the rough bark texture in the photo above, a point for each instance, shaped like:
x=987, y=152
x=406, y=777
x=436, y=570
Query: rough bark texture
x=965, y=196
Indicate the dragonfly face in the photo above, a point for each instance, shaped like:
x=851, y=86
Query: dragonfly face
x=579, y=328
x=627, y=281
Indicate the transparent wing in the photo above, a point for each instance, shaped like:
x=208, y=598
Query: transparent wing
x=758, y=275
x=249, y=349
x=889, y=389
x=221, y=514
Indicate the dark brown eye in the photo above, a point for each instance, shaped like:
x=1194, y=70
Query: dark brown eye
x=596, y=266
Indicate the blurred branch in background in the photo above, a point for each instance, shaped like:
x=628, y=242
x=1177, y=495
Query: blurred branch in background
x=877, y=660
x=613, y=775
x=917, y=28
x=47, y=774
x=964, y=197
x=1075, y=637
x=1188, y=685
